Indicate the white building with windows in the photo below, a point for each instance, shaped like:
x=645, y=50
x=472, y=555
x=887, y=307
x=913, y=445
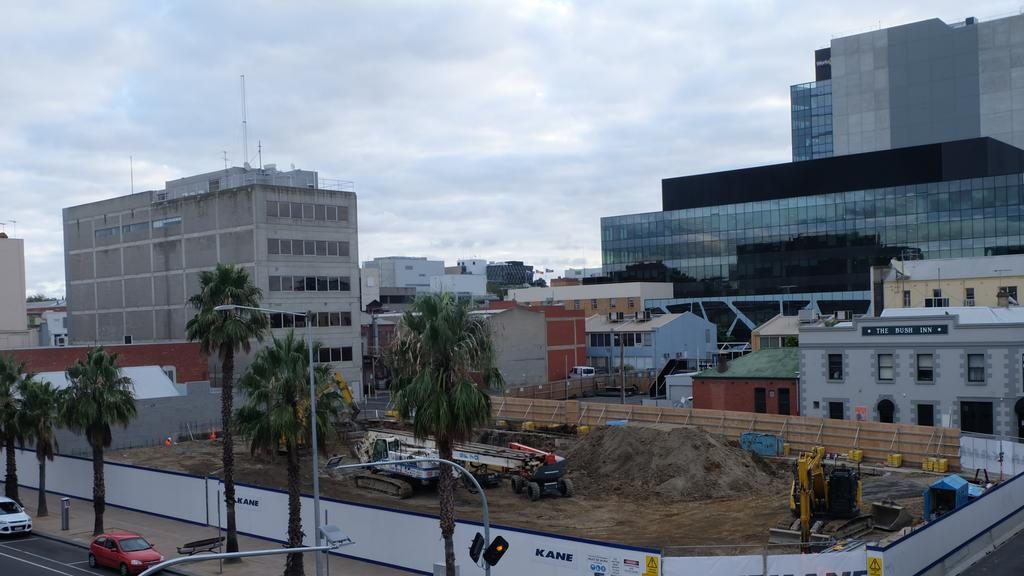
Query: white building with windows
x=960, y=366
x=647, y=342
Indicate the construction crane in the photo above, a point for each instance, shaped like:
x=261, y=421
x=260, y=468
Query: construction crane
x=535, y=471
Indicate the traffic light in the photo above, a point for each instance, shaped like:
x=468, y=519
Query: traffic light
x=495, y=551
x=476, y=547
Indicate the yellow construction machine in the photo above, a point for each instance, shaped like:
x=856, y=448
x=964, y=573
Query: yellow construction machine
x=820, y=495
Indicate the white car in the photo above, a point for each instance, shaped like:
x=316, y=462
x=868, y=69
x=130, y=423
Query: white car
x=13, y=518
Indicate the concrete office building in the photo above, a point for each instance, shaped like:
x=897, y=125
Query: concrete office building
x=929, y=366
x=406, y=272
x=944, y=282
x=920, y=83
x=14, y=322
x=132, y=262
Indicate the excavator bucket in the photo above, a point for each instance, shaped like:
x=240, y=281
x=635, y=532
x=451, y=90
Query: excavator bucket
x=889, y=516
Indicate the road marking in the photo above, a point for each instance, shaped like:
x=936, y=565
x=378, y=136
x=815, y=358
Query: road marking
x=47, y=568
x=47, y=558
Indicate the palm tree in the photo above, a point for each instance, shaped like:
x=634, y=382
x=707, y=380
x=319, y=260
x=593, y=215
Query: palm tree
x=38, y=421
x=440, y=353
x=224, y=334
x=97, y=397
x=12, y=373
x=276, y=414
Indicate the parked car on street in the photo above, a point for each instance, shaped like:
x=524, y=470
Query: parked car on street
x=13, y=518
x=129, y=553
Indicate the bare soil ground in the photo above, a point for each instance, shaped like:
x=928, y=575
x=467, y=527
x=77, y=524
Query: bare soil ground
x=634, y=488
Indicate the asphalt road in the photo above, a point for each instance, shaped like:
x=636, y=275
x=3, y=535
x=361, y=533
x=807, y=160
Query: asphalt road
x=1007, y=560
x=34, y=556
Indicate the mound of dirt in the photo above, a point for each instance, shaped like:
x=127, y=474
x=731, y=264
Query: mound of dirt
x=673, y=465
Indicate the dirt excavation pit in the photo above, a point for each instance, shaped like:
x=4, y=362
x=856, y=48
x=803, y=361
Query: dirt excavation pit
x=722, y=496
x=668, y=465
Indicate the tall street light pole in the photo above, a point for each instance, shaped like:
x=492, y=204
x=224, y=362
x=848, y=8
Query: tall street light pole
x=307, y=317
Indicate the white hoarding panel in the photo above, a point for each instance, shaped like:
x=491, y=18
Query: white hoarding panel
x=853, y=563
x=701, y=565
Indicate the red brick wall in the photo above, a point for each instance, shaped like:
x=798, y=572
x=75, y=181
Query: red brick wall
x=560, y=324
x=189, y=363
x=738, y=395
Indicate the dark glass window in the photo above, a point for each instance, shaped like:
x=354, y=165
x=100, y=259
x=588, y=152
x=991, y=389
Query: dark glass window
x=296, y=210
x=321, y=283
x=835, y=366
x=272, y=246
x=886, y=409
x=284, y=210
x=924, y=368
x=784, y=401
x=275, y=283
x=300, y=283
x=321, y=248
x=346, y=354
x=309, y=248
x=271, y=209
x=760, y=401
x=975, y=367
x=321, y=212
x=332, y=248
x=332, y=212
x=308, y=211
x=885, y=370
x=297, y=248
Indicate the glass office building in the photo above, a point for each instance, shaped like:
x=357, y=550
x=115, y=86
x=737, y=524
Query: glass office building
x=747, y=243
x=811, y=111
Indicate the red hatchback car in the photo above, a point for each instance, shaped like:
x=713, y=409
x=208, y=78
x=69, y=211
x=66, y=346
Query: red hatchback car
x=128, y=552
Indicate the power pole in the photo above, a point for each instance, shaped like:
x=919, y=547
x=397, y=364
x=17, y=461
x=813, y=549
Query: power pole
x=622, y=365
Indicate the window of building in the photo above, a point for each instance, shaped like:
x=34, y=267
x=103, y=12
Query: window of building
x=273, y=246
x=612, y=302
x=332, y=248
x=760, y=401
x=784, y=401
x=343, y=213
x=924, y=368
x=975, y=367
x=1011, y=291
x=575, y=304
x=630, y=303
x=285, y=246
x=308, y=211
x=885, y=367
x=136, y=227
x=936, y=292
x=167, y=222
x=906, y=298
x=835, y=366
x=925, y=415
x=334, y=354
x=593, y=302
x=272, y=208
x=127, y=339
x=171, y=372
x=968, y=296
x=835, y=410
x=309, y=247
x=106, y=232
x=976, y=417
x=332, y=212
x=707, y=335
x=284, y=210
x=320, y=212
x=297, y=249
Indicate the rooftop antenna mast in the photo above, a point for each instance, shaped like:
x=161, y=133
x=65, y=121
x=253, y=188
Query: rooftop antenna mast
x=131, y=175
x=245, y=129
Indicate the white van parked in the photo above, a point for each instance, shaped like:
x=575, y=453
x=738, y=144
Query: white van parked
x=582, y=372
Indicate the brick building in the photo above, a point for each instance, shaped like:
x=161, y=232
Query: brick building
x=766, y=382
x=188, y=363
x=565, y=336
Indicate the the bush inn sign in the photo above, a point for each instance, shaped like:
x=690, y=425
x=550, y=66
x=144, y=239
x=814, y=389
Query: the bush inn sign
x=904, y=330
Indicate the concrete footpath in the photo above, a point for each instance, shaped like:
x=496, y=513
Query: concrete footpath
x=166, y=535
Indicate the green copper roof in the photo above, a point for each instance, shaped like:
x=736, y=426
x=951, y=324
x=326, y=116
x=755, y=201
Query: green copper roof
x=773, y=363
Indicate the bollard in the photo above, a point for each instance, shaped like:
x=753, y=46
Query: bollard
x=65, y=513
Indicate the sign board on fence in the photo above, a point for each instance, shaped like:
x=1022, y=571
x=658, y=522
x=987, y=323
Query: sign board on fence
x=875, y=566
x=651, y=568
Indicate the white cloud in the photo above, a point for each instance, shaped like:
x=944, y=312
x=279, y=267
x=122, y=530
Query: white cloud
x=471, y=128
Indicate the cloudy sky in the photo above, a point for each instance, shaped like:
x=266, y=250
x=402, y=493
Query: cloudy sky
x=499, y=129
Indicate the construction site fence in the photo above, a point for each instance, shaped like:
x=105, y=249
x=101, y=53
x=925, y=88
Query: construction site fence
x=876, y=440
x=760, y=561
x=581, y=387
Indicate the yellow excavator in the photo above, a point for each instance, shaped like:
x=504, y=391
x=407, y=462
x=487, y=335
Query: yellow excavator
x=821, y=495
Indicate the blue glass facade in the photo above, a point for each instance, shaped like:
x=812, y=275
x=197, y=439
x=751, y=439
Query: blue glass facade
x=811, y=113
x=816, y=243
